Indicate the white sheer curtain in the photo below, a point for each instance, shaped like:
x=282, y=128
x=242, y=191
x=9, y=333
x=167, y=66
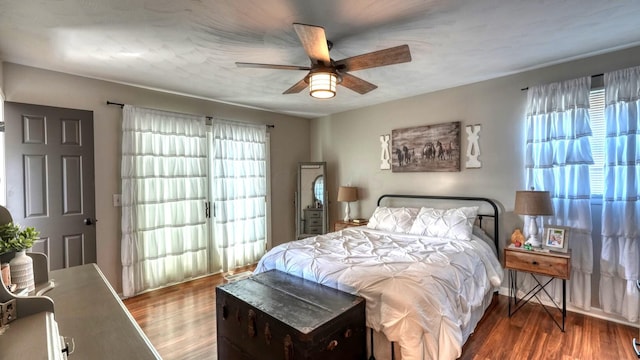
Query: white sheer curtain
x=238, y=190
x=164, y=188
x=620, y=256
x=558, y=155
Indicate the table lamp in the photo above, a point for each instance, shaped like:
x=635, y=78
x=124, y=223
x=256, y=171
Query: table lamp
x=347, y=194
x=533, y=204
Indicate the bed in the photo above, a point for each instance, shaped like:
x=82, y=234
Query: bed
x=427, y=267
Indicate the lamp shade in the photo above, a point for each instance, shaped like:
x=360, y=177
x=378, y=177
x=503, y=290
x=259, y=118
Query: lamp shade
x=347, y=193
x=530, y=202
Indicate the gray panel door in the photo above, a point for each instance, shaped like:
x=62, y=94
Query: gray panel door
x=50, y=179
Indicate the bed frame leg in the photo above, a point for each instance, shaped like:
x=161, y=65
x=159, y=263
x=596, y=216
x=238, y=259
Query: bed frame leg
x=371, y=335
x=393, y=355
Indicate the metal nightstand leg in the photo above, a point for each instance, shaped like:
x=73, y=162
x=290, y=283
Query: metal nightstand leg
x=511, y=290
x=564, y=302
x=519, y=303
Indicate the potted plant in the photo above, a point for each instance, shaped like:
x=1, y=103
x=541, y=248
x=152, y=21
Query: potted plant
x=17, y=240
x=13, y=238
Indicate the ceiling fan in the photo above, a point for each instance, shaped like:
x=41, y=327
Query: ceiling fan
x=325, y=73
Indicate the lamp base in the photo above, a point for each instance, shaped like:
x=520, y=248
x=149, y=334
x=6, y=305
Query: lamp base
x=347, y=218
x=533, y=233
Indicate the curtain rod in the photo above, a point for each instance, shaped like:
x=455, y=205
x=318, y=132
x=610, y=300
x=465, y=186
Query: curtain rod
x=115, y=103
x=269, y=126
x=592, y=76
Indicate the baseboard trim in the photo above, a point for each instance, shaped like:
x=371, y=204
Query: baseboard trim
x=594, y=312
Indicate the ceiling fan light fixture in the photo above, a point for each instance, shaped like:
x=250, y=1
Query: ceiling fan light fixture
x=322, y=85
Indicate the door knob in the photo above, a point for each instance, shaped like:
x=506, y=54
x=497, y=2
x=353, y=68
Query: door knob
x=90, y=221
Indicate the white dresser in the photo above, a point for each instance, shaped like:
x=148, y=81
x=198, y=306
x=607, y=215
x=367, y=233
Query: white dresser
x=81, y=306
x=28, y=325
x=90, y=312
x=34, y=336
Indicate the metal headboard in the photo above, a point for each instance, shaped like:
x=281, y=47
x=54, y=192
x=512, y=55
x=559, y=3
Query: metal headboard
x=481, y=214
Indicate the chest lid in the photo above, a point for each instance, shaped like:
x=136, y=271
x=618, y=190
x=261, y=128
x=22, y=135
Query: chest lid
x=302, y=304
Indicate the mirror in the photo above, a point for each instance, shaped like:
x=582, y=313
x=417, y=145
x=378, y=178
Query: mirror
x=311, y=200
x=318, y=190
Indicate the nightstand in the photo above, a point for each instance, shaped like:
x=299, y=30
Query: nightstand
x=553, y=264
x=339, y=225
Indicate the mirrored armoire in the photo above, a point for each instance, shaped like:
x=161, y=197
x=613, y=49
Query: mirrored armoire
x=312, y=203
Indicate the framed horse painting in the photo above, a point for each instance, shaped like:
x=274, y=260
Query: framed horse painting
x=426, y=148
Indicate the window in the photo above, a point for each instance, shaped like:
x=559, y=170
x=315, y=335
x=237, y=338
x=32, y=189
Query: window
x=598, y=129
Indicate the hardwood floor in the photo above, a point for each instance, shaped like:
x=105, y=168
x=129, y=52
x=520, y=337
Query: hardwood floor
x=531, y=334
x=180, y=322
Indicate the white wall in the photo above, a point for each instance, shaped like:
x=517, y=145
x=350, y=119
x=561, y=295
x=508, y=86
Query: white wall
x=289, y=143
x=349, y=141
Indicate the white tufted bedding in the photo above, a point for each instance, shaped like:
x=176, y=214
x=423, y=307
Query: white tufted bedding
x=421, y=292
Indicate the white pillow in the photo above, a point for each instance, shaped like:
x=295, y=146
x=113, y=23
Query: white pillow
x=452, y=223
x=393, y=219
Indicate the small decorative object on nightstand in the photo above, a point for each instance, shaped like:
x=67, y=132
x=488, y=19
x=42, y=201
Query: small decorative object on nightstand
x=340, y=225
x=517, y=239
x=552, y=264
x=556, y=238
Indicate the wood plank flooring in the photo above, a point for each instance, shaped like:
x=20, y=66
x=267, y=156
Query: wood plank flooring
x=180, y=322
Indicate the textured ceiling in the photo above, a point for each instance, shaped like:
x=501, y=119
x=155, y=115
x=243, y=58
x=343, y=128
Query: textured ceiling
x=189, y=47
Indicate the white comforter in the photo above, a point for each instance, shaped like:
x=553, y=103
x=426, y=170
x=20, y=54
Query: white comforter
x=419, y=291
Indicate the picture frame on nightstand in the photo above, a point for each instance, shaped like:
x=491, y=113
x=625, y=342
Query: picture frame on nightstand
x=556, y=238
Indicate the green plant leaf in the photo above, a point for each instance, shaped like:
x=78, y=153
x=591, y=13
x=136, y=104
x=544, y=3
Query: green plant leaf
x=12, y=238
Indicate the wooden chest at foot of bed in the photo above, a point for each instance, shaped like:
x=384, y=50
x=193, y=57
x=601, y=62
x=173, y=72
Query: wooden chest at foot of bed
x=276, y=316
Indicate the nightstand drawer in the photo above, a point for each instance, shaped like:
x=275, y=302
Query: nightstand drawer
x=341, y=225
x=539, y=263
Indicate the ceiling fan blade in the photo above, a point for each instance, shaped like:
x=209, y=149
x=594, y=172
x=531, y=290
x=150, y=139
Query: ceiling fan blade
x=271, y=66
x=299, y=86
x=394, y=55
x=356, y=84
x=314, y=42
